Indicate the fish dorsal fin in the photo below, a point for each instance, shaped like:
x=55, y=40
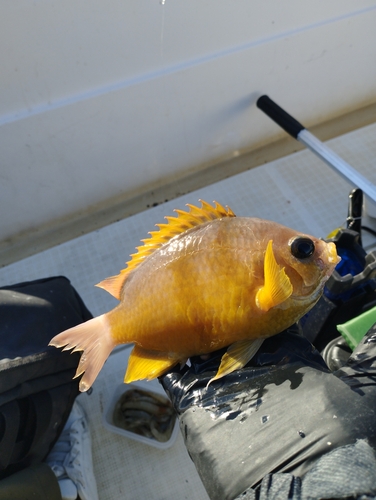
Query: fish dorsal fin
x=174, y=226
x=277, y=285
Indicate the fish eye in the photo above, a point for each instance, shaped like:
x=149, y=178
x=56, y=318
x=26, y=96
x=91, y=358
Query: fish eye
x=302, y=248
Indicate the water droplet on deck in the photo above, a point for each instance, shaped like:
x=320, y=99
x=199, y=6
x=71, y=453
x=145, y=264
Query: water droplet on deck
x=335, y=416
x=301, y=434
x=329, y=443
x=264, y=419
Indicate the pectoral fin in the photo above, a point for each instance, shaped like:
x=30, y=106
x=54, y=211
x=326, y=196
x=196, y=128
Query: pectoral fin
x=277, y=285
x=144, y=364
x=237, y=356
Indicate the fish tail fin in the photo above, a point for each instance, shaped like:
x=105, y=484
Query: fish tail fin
x=93, y=338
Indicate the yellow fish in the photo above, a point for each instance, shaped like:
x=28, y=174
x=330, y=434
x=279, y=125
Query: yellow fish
x=205, y=280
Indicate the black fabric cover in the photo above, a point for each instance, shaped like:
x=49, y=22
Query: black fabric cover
x=36, y=386
x=281, y=413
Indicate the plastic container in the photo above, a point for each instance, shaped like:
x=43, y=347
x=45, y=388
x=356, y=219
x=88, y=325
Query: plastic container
x=109, y=411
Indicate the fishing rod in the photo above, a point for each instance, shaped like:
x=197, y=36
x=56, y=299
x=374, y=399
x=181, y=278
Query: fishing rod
x=299, y=132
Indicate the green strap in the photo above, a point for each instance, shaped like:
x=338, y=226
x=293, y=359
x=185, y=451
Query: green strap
x=354, y=330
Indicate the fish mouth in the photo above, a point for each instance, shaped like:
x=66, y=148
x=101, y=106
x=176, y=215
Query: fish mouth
x=333, y=257
x=328, y=259
x=326, y=262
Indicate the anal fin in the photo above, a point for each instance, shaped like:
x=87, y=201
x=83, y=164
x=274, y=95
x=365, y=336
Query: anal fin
x=145, y=364
x=237, y=356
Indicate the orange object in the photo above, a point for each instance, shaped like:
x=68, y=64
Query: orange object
x=205, y=280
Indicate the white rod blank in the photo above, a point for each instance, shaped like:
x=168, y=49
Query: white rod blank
x=337, y=163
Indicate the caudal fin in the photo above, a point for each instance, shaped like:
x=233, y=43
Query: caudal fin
x=93, y=338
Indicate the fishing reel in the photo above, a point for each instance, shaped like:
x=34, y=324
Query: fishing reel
x=349, y=292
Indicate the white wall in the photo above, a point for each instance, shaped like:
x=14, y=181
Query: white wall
x=100, y=98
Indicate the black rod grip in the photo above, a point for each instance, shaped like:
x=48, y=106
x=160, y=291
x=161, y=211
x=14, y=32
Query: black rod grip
x=279, y=115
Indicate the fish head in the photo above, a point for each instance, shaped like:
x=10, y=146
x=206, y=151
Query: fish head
x=308, y=262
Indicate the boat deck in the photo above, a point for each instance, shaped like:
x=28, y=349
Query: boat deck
x=298, y=190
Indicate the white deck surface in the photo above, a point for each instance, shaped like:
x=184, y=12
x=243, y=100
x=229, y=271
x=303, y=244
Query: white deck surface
x=299, y=191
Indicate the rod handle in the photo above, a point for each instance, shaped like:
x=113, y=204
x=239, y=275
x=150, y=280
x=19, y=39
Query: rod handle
x=279, y=115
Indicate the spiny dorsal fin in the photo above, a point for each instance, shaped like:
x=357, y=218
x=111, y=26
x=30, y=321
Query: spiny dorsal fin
x=175, y=225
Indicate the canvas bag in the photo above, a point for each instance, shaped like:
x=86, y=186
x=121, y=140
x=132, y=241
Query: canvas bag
x=36, y=387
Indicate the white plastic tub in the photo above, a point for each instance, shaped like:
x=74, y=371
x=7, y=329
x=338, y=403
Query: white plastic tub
x=109, y=412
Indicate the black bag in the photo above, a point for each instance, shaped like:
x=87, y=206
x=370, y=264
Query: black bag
x=36, y=387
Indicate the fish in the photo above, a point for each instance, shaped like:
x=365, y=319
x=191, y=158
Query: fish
x=204, y=280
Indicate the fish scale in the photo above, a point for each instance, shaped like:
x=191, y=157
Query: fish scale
x=206, y=280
